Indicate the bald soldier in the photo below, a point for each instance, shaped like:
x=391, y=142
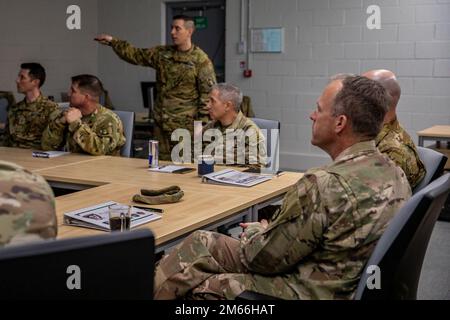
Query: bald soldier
x=393, y=140
x=28, y=118
x=27, y=206
x=317, y=244
x=87, y=126
x=224, y=109
x=184, y=76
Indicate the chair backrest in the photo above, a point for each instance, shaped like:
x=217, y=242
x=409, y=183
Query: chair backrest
x=272, y=135
x=434, y=164
x=112, y=266
x=3, y=109
x=127, y=118
x=400, y=251
x=148, y=90
x=6, y=100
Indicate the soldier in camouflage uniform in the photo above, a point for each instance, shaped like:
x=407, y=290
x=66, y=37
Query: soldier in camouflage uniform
x=224, y=110
x=28, y=118
x=330, y=221
x=184, y=76
x=27, y=206
x=87, y=126
x=393, y=140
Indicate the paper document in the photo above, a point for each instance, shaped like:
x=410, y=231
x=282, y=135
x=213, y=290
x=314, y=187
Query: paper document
x=48, y=154
x=97, y=217
x=171, y=169
x=233, y=177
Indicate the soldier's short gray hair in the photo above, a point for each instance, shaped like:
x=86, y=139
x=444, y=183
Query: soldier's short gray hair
x=229, y=92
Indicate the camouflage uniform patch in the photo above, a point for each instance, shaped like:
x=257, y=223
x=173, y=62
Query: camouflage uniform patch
x=100, y=133
x=396, y=143
x=183, y=82
x=254, y=141
x=27, y=206
x=27, y=121
x=316, y=246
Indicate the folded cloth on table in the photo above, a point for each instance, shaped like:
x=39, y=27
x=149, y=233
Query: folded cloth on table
x=159, y=196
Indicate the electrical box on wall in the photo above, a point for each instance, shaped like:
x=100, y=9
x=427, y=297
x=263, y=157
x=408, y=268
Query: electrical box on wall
x=241, y=47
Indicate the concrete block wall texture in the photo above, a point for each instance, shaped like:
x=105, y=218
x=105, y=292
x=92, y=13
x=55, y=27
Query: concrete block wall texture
x=323, y=37
x=36, y=31
x=332, y=37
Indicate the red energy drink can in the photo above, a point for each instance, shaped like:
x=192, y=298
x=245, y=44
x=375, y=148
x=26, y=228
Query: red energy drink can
x=153, y=154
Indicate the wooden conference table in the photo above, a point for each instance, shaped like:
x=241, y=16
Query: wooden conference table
x=106, y=178
x=435, y=133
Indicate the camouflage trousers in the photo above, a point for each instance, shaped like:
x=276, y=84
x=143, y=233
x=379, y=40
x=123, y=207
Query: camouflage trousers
x=165, y=143
x=207, y=265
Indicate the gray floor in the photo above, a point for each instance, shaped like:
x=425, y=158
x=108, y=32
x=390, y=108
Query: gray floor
x=435, y=278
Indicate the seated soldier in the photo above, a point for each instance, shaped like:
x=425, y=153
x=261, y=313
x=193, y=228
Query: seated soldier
x=87, y=126
x=330, y=221
x=224, y=109
x=27, y=206
x=393, y=140
x=28, y=118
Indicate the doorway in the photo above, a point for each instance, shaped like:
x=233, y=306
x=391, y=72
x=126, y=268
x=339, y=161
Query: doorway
x=210, y=28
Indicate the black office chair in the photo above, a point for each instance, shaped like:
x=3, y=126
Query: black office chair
x=127, y=118
x=6, y=100
x=400, y=251
x=271, y=130
x=112, y=266
x=434, y=164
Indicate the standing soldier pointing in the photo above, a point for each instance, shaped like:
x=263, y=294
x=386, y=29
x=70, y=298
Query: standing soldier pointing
x=184, y=77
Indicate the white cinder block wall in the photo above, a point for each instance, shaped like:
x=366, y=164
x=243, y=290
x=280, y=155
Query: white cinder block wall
x=36, y=31
x=325, y=37
x=139, y=22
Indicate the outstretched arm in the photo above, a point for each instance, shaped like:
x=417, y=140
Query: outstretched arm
x=125, y=51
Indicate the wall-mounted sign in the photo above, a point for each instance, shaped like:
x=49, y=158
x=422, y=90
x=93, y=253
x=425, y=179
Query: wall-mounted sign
x=201, y=22
x=267, y=40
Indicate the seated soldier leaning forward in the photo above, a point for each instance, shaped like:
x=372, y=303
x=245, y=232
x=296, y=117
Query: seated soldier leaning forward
x=86, y=127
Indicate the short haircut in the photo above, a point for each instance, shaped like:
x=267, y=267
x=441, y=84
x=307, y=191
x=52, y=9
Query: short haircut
x=229, y=92
x=36, y=71
x=90, y=84
x=188, y=21
x=364, y=102
x=341, y=76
